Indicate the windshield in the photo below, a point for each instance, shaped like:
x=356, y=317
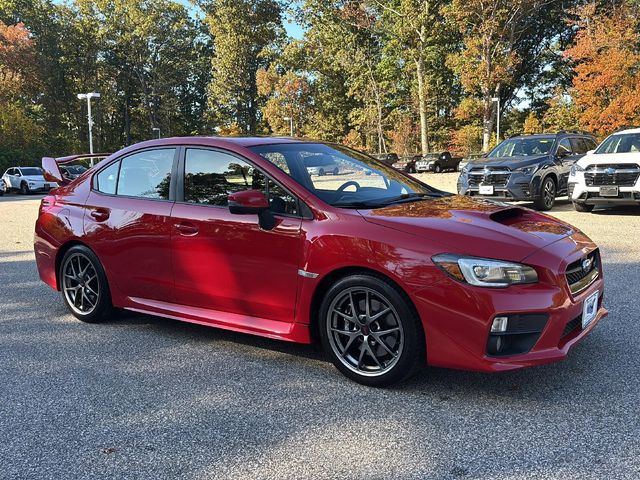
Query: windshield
x=355, y=180
x=621, y=143
x=31, y=171
x=523, y=147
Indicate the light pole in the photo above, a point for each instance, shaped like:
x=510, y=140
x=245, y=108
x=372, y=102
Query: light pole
x=290, y=120
x=497, y=100
x=156, y=129
x=89, y=96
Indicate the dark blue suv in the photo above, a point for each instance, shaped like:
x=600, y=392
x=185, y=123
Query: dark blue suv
x=532, y=168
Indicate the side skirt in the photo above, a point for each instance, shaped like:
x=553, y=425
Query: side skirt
x=290, y=332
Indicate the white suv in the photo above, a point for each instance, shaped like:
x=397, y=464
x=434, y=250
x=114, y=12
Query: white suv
x=609, y=175
x=26, y=180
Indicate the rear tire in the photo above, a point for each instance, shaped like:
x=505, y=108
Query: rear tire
x=354, y=340
x=84, y=285
x=336, y=171
x=583, y=207
x=321, y=172
x=547, y=198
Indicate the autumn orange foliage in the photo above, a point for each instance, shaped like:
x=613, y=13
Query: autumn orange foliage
x=17, y=58
x=606, y=87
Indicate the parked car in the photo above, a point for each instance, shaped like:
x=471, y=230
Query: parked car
x=436, y=162
x=608, y=176
x=526, y=167
x=3, y=187
x=388, y=158
x=406, y=164
x=26, y=180
x=72, y=172
x=321, y=164
x=235, y=233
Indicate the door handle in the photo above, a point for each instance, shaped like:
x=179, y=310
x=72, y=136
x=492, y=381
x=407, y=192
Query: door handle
x=100, y=214
x=186, y=229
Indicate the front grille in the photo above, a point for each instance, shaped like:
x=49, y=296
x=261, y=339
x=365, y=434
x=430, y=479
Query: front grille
x=621, y=175
x=582, y=273
x=571, y=326
x=497, y=176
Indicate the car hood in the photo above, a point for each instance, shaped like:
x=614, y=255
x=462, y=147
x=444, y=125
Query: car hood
x=471, y=226
x=610, y=158
x=509, y=162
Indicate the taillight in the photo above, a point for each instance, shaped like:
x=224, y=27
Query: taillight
x=46, y=203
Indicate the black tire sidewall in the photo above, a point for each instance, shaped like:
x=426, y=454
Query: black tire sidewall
x=539, y=203
x=414, y=345
x=104, y=307
x=24, y=188
x=582, y=207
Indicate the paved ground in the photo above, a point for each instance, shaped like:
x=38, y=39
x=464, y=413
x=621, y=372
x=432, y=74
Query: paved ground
x=142, y=397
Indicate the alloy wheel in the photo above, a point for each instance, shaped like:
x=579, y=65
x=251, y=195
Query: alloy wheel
x=549, y=193
x=80, y=284
x=364, y=331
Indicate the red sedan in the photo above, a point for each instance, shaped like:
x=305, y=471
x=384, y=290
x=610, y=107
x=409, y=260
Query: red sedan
x=386, y=271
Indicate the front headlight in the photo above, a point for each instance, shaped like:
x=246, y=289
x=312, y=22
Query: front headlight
x=464, y=168
x=485, y=272
x=575, y=168
x=527, y=170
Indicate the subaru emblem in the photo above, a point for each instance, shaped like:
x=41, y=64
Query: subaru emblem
x=610, y=171
x=586, y=264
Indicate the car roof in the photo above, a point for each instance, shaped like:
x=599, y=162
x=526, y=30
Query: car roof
x=258, y=140
x=628, y=130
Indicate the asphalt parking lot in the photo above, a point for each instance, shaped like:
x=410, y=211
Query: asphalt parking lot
x=144, y=397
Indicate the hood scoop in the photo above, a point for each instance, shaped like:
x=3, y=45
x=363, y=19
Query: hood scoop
x=508, y=216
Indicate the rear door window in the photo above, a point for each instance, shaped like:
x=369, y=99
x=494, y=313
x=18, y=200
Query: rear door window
x=107, y=179
x=147, y=174
x=579, y=146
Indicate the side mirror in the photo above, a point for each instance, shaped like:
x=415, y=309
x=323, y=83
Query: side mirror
x=254, y=202
x=247, y=202
x=561, y=153
x=591, y=152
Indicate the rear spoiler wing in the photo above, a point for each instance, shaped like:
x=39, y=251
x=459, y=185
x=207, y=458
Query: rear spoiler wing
x=51, y=166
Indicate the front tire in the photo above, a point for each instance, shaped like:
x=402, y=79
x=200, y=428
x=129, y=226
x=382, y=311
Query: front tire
x=84, y=285
x=547, y=198
x=24, y=188
x=370, y=331
x=583, y=207
x=437, y=168
x=321, y=172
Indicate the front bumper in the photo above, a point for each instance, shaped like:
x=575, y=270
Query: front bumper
x=580, y=193
x=457, y=332
x=519, y=187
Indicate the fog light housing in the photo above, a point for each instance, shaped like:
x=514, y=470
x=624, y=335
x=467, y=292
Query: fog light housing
x=499, y=324
x=515, y=334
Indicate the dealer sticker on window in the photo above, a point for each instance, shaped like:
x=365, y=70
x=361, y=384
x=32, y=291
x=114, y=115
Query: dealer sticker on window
x=590, y=309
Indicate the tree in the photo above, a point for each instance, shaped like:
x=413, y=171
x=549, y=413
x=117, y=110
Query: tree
x=246, y=33
x=532, y=125
x=421, y=34
x=503, y=41
x=607, y=57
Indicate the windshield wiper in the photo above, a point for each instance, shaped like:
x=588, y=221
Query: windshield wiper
x=383, y=202
x=410, y=197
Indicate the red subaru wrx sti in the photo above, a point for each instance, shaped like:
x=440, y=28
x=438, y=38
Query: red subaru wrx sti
x=386, y=271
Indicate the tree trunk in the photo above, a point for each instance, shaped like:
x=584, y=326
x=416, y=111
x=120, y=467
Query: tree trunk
x=487, y=123
x=422, y=104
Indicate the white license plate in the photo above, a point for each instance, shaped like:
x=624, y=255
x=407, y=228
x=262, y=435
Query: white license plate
x=590, y=309
x=486, y=190
x=609, y=191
